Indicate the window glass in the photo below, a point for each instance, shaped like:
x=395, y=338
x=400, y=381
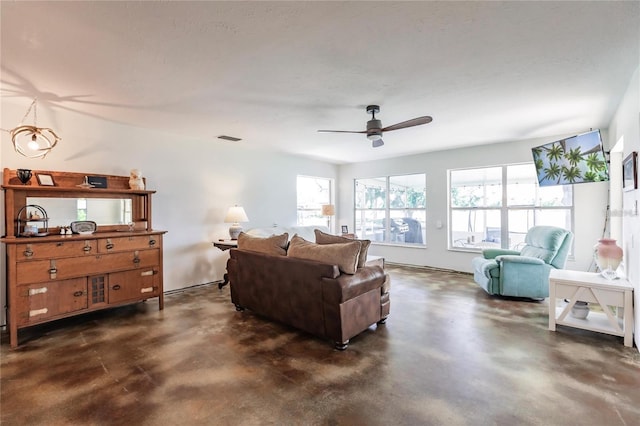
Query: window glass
x=482, y=189
x=312, y=194
x=391, y=209
x=371, y=193
x=477, y=220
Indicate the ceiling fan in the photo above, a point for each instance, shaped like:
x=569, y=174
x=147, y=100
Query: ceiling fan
x=374, y=127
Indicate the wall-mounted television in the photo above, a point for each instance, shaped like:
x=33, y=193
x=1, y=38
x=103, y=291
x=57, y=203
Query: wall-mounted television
x=577, y=159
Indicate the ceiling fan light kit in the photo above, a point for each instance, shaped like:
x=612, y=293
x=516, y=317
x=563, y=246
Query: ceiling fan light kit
x=374, y=126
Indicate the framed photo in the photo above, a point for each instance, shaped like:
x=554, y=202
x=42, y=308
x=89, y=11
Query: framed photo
x=630, y=172
x=345, y=229
x=45, y=179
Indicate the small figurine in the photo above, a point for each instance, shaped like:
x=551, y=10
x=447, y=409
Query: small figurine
x=135, y=180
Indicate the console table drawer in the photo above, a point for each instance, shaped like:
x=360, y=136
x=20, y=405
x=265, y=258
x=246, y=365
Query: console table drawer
x=71, y=267
x=31, y=251
x=608, y=297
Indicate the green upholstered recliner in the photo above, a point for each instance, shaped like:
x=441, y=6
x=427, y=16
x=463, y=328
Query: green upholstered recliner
x=524, y=273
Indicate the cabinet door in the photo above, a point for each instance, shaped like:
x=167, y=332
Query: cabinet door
x=42, y=301
x=137, y=284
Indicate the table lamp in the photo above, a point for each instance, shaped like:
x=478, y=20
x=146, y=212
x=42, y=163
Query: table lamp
x=235, y=215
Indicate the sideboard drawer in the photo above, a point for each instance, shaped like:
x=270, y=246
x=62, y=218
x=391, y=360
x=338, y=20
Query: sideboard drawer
x=39, y=302
x=112, y=245
x=71, y=267
x=31, y=251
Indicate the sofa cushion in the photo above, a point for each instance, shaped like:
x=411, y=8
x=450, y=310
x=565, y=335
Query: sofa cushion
x=344, y=255
x=275, y=244
x=324, y=238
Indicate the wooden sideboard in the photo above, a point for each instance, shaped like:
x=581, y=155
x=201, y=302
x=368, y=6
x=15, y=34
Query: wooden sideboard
x=53, y=275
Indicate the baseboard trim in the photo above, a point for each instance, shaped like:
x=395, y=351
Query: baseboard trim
x=183, y=289
x=431, y=268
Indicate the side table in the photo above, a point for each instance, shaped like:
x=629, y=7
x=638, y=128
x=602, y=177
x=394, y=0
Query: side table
x=225, y=245
x=615, y=298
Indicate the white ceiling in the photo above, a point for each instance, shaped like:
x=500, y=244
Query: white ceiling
x=273, y=73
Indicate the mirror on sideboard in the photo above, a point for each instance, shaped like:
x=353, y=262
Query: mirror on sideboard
x=102, y=211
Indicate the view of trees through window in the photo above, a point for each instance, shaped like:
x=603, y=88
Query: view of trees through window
x=496, y=206
x=391, y=209
x=312, y=194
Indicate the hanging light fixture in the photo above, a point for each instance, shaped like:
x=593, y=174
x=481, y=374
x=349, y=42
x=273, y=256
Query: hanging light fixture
x=33, y=141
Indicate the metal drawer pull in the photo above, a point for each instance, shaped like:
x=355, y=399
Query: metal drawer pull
x=146, y=290
x=33, y=291
x=28, y=252
x=52, y=269
x=87, y=247
x=152, y=242
x=136, y=258
x=78, y=293
x=36, y=312
x=116, y=287
x=146, y=273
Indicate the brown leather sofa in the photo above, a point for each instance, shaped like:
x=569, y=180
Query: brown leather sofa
x=308, y=295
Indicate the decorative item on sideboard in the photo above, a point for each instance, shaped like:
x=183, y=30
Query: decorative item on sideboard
x=135, y=180
x=24, y=175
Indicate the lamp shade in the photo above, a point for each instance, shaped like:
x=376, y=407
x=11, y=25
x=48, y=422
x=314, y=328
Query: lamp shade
x=328, y=210
x=236, y=214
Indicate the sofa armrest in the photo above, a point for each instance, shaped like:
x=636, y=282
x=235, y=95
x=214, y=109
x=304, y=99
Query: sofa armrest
x=347, y=287
x=520, y=259
x=493, y=252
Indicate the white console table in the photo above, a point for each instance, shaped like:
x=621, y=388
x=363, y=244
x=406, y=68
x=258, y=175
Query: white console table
x=615, y=297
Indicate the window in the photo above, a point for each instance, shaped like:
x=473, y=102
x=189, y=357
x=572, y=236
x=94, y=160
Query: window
x=391, y=209
x=496, y=206
x=312, y=194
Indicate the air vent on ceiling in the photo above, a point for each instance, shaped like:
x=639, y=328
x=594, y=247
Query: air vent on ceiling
x=229, y=138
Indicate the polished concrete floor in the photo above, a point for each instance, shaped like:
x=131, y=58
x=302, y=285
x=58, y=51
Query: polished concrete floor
x=448, y=355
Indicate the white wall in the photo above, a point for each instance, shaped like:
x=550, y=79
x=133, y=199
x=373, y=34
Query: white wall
x=590, y=201
x=196, y=181
x=626, y=125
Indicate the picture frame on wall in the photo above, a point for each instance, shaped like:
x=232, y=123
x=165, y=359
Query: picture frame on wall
x=345, y=229
x=45, y=179
x=630, y=172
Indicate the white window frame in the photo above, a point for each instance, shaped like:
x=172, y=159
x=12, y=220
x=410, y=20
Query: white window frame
x=386, y=211
x=503, y=208
x=315, y=209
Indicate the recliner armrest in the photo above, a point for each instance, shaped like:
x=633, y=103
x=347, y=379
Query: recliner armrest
x=520, y=259
x=493, y=252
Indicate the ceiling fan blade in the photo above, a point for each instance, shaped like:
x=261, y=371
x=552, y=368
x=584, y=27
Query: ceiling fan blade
x=409, y=123
x=342, y=131
x=376, y=143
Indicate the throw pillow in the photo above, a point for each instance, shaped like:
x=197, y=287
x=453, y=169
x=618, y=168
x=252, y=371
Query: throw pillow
x=324, y=238
x=275, y=244
x=344, y=255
